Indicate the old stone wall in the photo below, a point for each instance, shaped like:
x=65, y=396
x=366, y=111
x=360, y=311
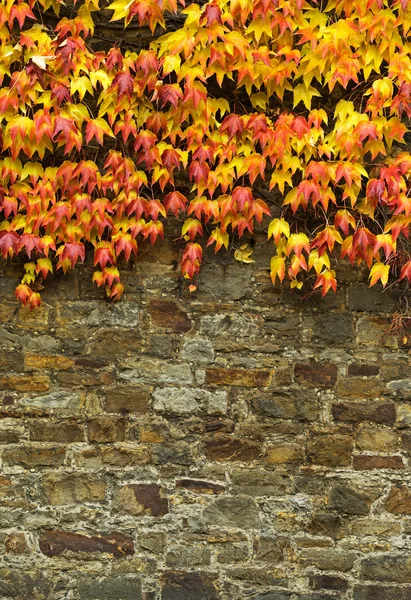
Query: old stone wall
x=236, y=443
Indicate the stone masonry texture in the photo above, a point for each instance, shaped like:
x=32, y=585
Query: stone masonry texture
x=239, y=443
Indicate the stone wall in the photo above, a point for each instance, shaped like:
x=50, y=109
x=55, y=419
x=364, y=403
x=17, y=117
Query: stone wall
x=237, y=443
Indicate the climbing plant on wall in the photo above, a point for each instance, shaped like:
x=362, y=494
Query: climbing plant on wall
x=288, y=114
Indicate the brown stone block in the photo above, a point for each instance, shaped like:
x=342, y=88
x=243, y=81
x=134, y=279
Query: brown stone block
x=85, y=378
x=127, y=399
x=328, y=582
x=168, y=314
x=377, y=440
x=331, y=450
x=25, y=383
x=188, y=586
x=238, y=377
x=360, y=388
x=378, y=412
x=16, y=543
x=363, y=370
x=153, y=433
x=61, y=489
x=364, y=462
x=54, y=543
x=41, y=362
x=388, y=568
x=399, y=500
x=200, y=487
x=284, y=453
x=226, y=448
x=67, y=431
x=34, y=456
x=103, y=430
x=316, y=374
x=11, y=361
x=141, y=499
x=381, y=592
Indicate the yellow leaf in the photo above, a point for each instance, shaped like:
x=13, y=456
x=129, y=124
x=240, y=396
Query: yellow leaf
x=379, y=272
x=304, y=94
x=277, y=268
x=243, y=254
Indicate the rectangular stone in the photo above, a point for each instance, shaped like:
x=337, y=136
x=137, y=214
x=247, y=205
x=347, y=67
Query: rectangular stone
x=364, y=462
x=380, y=592
x=377, y=412
x=127, y=399
x=74, y=488
x=54, y=543
x=34, y=456
x=120, y=587
x=49, y=362
x=387, y=568
x=238, y=377
x=67, y=431
x=25, y=383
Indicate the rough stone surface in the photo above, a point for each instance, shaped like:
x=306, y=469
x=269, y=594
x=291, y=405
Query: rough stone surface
x=230, y=444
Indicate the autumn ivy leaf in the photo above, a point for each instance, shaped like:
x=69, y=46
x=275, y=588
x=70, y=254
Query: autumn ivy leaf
x=379, y=272
x=305, y=94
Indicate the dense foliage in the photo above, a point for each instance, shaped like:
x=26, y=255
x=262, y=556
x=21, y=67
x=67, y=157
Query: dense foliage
x=284, y=99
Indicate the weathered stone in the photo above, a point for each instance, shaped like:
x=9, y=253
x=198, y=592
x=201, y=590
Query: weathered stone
x=270, y=549
x=53, y=363
x=179, y=453
x=232, y=512
x=20, y=584
x=328, y=559
x=141, y=499
x=54, y=543
x=175, y=400
x=377, y=412
x=73, y=489
x=153, y=541
x=156, y=371
x=168, y=314
x=200, y=487
x=98, y=314
x=127, y=399
x=348, y=501
x=187, y=557
x=360, y=388
x=334, y=328
x=16, y=543
x=260, y=483
x=226, y=448
x=395, y=569
x=35, y=456
x=246, y=325
x=380, y=592
x=331, y=450
x=232, y=553
x=328, y=582
x=374, y=331
x=188, y=586
x=300, y=405
x=198, y=350
x=404, y=414
x=238, y=377
x=363, y=298
x=399, y=500
x=25, y=383
x=106, y=429
x=377, y=440
x=363, y=370
x=64, y=432
x=316, y=374
x=367, y=461
x=107, y=588
x=325, y=524
x=56, y=400
x=284, y=453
